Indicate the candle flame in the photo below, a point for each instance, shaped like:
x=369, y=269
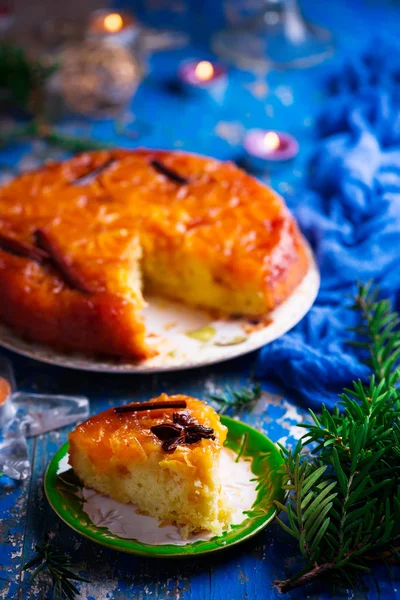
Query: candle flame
x=204, y=70
x=271, y=141
x=113, y=22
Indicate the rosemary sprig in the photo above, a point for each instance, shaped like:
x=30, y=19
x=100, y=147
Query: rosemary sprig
x=44, y=131
x=379, y=335
x=59, y=568
x=22, y=80
x=22, y=84
x=344, y=497
x=234, y=401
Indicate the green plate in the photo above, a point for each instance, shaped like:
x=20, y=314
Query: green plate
x=61, y=487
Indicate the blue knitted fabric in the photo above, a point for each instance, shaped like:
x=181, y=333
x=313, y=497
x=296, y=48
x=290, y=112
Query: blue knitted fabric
x=350, y=212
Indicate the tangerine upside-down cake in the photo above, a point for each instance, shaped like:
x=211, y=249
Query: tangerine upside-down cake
x=80, y=241
x=163, y=456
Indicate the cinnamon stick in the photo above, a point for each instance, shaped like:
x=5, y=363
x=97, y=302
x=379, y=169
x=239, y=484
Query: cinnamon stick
x=14, y=246
x=141, y=406
x=89, y=176
x=170, y=173
x=62, y=264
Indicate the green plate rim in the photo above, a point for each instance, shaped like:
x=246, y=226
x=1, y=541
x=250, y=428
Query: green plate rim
x=250, y=527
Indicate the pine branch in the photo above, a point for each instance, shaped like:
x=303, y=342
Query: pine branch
x=344, y=501
x=21, y=79
x=378, y=335
x=235, y=400
x=47, y=133
x=308, y=577
x=22, y=85
x=59, y=568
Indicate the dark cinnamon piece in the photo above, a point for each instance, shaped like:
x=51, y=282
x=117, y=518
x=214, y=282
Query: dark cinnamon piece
x=170, y=173
x=141, y=406
x=88, y=177
x=14, y=246
x=61, y=263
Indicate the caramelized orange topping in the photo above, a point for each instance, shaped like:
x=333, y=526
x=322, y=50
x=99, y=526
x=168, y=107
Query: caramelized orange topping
x=187, y=227
x=122, y=437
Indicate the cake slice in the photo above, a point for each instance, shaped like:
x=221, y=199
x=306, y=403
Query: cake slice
x=164, y=459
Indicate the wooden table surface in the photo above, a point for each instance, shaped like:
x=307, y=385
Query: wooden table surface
x=290, y=101
x=246, y=571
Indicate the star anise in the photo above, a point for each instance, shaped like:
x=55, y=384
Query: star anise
x=183, y=418
x=184, y=430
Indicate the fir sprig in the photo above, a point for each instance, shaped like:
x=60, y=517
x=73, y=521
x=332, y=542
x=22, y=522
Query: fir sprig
x=40, y=129
x=379, y=335
x=236, y=400
x=21, y=79
x=22, y=85
x=344, y=496
x=59, y=568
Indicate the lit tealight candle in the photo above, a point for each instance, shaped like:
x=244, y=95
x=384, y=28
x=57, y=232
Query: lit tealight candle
x=114, y=27
x=113, y=23
x=204, y=77
x=264, y=148
x=271, y=141
x=204, y=71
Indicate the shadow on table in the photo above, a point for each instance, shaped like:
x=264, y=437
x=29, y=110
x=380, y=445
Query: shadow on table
x=35, y=376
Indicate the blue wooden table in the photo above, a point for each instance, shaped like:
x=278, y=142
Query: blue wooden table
x=166, y=118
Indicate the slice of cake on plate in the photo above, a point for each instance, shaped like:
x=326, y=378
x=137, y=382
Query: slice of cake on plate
x=163, y=456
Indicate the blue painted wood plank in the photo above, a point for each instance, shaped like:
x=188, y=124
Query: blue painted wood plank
x=240, y=572
x=287, y=101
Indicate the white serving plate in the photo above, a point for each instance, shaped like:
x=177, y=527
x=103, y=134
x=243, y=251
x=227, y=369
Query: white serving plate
x=169, y=324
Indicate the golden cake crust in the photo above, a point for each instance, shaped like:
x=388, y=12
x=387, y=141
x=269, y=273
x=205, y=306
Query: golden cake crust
x=239, y=232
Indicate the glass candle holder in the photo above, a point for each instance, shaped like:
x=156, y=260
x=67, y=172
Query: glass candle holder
x=117, y=28
x=98, y=79
x=273, y=34
x=24, y=415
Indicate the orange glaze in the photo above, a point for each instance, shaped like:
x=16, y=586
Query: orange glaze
x=110, y=439
x=238, y=228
